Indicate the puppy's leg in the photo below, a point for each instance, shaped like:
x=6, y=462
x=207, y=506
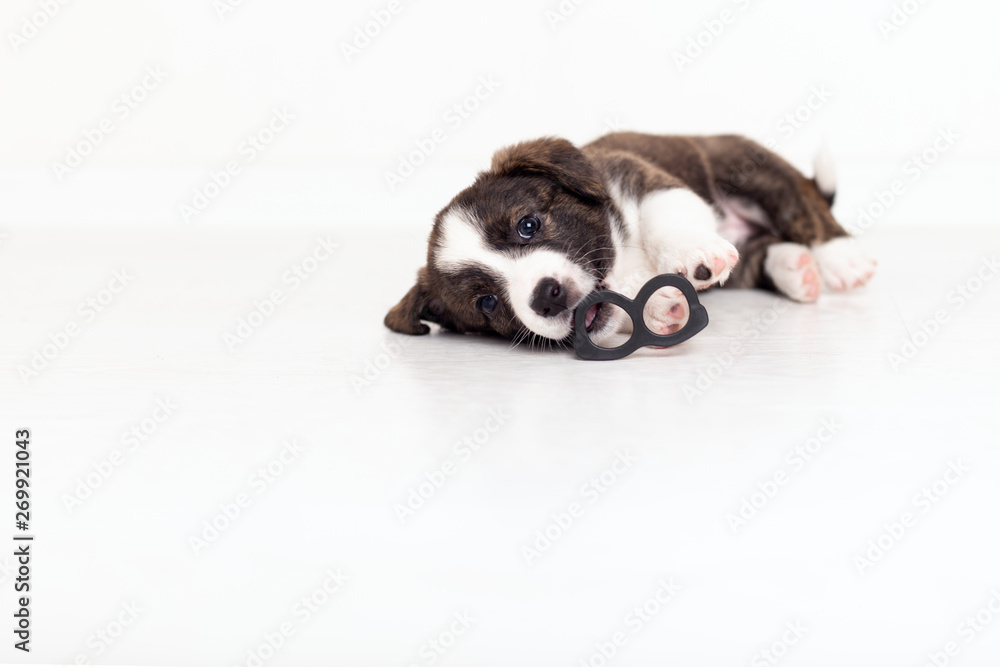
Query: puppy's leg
x=769, y=262
x=675, y=228
x=793, y=271
x=797, y=209
x=843, y=264
x=665, y=234
x=679, y=232
x=666, y=312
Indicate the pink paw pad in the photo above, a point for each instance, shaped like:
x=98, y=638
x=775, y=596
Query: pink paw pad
x=672, y=321
x=666, y=312
x=811, y=282
x=794, y=271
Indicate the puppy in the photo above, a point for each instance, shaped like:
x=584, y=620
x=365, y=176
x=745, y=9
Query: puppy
x=514, y=253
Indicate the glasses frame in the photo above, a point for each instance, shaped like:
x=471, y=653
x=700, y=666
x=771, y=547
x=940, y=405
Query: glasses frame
x=641, y=335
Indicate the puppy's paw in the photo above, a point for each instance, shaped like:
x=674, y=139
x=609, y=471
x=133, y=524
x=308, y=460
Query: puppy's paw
x=666, y=312
x=793, y=269
x=704, y=259
x=843, y=264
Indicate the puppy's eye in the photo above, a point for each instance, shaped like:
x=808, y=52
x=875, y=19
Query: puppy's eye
x=528, y=226
x=487, y=304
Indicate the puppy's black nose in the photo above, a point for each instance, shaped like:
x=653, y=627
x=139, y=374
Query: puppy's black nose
x=549, y=298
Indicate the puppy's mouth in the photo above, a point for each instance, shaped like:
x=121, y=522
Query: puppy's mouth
x=597, y=315
x=592, y=314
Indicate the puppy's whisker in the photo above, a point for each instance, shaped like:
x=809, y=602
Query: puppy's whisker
x=605, y=247
x=519, y=338
x=585, y=255
x=577, y=256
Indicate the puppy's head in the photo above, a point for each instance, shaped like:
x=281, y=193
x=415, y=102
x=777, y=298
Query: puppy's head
x=516, y=250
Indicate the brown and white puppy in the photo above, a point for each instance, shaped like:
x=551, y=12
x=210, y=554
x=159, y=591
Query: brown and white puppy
x=514, y=253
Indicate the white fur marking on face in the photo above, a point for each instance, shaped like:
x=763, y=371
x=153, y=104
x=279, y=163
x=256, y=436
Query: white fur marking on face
x=530, y=268
x=462, y=245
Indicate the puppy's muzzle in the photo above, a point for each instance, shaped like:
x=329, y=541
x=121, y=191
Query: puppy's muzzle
x=549, y=298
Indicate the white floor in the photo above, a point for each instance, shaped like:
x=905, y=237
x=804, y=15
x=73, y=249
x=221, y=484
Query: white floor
x=693, y=437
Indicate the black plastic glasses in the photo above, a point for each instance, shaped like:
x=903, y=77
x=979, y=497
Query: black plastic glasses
x=641, y=335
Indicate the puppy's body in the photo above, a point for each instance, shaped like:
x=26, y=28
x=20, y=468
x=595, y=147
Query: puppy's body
x=548, y=223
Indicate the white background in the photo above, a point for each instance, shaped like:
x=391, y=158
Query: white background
x=377, y=412
x=607, y=64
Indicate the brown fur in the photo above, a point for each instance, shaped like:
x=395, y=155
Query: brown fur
x=569, y=186
x=549, y=177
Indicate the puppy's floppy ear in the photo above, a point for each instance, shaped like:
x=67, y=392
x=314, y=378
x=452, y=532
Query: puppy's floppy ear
x=557, y=159
x=405, y=316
